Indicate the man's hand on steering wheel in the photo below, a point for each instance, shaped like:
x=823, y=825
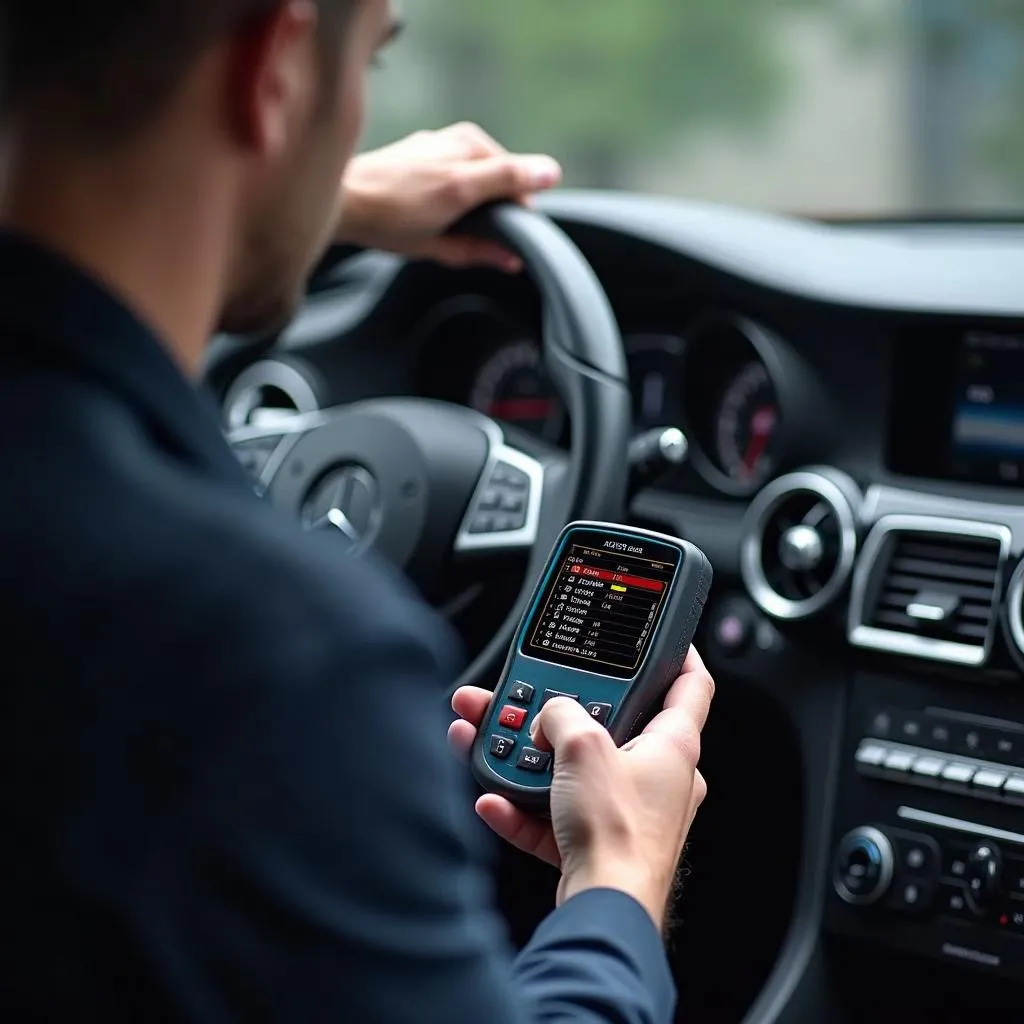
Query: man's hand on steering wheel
x=404, y=197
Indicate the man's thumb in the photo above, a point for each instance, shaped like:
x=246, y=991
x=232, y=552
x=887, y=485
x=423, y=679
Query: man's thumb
x=565, y=727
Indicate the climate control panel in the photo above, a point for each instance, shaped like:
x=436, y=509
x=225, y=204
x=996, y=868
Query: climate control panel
x=928, y=851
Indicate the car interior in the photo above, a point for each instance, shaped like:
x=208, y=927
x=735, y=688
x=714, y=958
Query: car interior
x=833, y=411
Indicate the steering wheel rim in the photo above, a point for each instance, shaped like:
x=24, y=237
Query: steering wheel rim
x=584, y=354
x=433, y=461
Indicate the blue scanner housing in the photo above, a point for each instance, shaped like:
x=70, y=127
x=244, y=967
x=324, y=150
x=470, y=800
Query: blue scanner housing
x=608, y=625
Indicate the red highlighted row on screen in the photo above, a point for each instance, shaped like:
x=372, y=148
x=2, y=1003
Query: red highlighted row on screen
x=616, y=577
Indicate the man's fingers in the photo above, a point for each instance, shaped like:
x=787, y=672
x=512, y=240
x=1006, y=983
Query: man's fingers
x=693, y=692
x=460, y=738
x=471, y=703
x=499, y=177
x=519, y=829
x=474, y=140
x=461, y=251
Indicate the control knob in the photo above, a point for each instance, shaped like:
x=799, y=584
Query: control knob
x=984, y=868
x=863, y=868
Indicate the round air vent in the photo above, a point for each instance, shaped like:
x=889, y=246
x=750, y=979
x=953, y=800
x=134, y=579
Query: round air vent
x=799, y=543
x=1014, y=615
x=267, y=394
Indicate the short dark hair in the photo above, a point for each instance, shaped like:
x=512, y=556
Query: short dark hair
x=104, y=68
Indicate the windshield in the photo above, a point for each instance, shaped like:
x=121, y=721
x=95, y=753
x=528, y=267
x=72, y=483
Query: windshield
x=826, y=107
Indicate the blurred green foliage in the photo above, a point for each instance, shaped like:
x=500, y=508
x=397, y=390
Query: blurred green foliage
x=599, y=81
x=612, y=85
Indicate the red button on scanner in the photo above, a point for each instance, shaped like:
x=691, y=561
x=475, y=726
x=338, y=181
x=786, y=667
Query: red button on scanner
x=512, y=718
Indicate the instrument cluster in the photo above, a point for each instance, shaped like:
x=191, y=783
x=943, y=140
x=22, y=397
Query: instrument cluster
x=717, y=380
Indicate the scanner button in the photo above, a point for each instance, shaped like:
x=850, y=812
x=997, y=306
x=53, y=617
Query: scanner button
x=552, y=694
x=512, y=718
x=531, y=760
x=501, y=747
x=599, y=712
x=521, y=693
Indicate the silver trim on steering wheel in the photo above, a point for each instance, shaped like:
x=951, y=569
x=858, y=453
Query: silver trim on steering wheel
x=501, y=454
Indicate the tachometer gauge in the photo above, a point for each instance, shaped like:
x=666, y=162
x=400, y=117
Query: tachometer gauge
x=745, y=426
x=513, y=387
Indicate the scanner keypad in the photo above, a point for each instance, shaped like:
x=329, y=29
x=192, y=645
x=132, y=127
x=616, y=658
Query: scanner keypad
x=521, y=701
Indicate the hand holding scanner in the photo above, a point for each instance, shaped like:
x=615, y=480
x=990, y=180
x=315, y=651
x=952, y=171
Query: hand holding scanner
x=609, y=625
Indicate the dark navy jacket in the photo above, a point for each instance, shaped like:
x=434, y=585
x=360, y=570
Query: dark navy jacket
x=225, y=792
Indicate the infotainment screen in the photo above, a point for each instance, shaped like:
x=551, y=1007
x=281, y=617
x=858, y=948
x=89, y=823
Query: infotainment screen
x=602, y=603
x=957, y=403
x=987, y=435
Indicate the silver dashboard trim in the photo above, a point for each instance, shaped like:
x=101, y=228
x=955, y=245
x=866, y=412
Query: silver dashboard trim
x=894, y=642
x=969, y=828
x=751, y=562
x=526, y=536
x=1015, y=608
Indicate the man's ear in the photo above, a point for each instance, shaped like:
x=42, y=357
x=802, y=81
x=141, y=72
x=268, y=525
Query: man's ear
x=273, y=77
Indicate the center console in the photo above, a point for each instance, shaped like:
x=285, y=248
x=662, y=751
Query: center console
x=929, y=832
x=924, y=596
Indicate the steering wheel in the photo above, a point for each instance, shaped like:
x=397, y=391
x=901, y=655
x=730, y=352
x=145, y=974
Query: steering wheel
x=425, y=482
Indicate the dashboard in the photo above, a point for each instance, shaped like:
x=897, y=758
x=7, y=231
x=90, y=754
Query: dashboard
x=853, y=399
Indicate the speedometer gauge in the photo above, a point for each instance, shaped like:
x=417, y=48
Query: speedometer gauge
x=745, y=426
x=513, y=387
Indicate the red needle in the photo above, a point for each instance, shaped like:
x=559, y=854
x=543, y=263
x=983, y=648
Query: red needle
x=762, y=424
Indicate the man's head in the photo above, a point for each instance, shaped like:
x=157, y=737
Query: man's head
x=265, y=98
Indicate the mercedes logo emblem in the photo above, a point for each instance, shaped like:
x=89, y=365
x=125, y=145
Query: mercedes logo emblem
x=347, y=502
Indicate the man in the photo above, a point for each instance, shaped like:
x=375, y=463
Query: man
x=225, y=792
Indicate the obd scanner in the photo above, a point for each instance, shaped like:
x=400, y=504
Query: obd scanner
x=609, y=625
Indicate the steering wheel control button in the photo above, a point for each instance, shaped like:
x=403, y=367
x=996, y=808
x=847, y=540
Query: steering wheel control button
x=521, y=693
x=501, y=747
x=863, y=867
x=504, y=503
x=600, y=713
x=552, y=694
x=510, y=478
x=512, y=718
x=531, y=760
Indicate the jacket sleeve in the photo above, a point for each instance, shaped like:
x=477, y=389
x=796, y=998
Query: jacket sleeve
x=328, y=866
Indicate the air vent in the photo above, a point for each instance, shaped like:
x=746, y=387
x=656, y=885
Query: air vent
x=929, y=588
x=800, y=542
x=267, y=395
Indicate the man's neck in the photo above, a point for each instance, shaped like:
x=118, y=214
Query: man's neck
x=136, y=226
